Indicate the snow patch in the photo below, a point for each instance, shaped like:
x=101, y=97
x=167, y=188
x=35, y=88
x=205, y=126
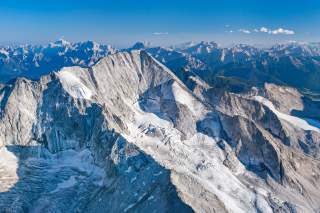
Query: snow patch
x=4, y=52
x=73, y=84
x=313, y=122
x=66, y=184
x=295, y=121
x=82, y=160
x=8, y=169
x=185, y=98
x=223, y=55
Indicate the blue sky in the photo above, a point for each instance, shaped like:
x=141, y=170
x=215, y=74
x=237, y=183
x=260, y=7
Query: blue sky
x=122, y=22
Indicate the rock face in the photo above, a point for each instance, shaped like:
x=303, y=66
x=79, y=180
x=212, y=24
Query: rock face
x=127, y=135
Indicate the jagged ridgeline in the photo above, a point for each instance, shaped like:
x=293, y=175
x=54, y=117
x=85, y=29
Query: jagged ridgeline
x=236, y=68
x=129, y=135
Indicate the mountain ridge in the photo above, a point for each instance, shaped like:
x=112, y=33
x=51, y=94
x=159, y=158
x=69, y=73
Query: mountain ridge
x=145, y=139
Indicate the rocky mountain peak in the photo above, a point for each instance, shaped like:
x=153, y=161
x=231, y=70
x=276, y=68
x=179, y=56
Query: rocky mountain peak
x=128, y=134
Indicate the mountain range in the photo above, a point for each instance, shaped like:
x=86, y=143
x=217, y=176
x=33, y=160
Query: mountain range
x=32, y=61
x=239, y=66
x=190, y=128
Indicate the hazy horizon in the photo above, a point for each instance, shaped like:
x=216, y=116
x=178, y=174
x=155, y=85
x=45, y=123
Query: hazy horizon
x=152, y=44
x=161, y=22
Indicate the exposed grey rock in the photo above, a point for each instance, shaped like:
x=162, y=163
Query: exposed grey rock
x=127, y=135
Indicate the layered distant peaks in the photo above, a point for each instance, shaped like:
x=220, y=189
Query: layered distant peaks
x=183, y=46
x=60, y=43
x=201, y=48
x=297, y=49
x=287, y=63
x=34, y=61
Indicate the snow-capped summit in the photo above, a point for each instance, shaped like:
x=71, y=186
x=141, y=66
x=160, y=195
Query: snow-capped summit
x=4, y=53
x=141, y=45
x=89, y=45
x=183, y=46
x=60, y=43
x=203, y=47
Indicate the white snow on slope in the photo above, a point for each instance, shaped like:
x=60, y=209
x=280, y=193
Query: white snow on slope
x=4, y=52
x=80, y=161
x=8, y=169
x=73, y=84
x=223, y=55
x=203, y=166
x=66, y=184
x=313, y=122
x=296, y=121
x=185, y=98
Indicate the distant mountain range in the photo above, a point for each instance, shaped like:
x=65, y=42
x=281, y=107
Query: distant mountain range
x=238, y=67
x=33, y=61
x=243, y=66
